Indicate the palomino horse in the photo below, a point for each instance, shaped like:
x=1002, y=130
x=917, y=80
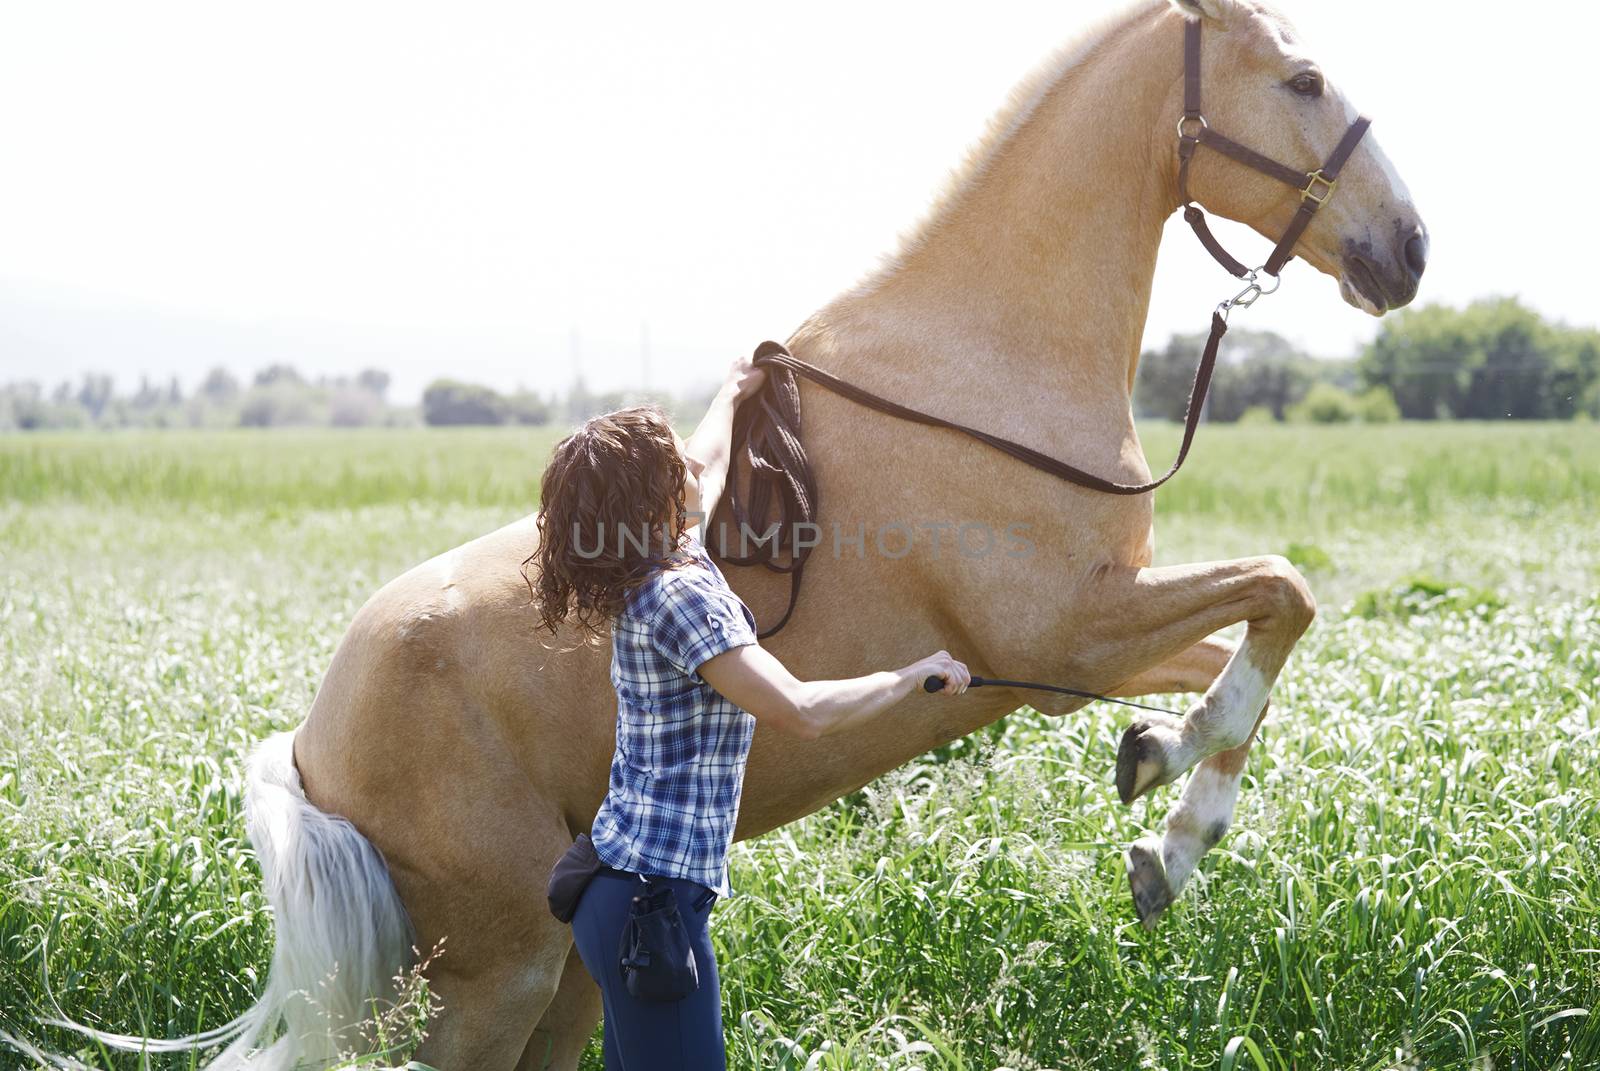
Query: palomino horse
x=470, y=751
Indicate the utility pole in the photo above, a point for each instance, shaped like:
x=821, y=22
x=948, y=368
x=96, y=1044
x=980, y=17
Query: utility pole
x=577, y=396
x=644, y=355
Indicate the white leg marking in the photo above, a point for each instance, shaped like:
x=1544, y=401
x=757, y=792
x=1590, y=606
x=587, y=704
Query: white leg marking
x=1226, y=714
x=1201, y=817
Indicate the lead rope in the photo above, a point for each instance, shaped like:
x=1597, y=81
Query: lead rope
x=782, y=496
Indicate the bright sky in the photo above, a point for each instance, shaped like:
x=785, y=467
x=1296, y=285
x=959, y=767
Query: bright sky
x=485, y=190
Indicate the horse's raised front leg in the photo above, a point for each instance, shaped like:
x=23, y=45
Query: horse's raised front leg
x=1159, y=867
x=1148, y=617
x=1273, y=599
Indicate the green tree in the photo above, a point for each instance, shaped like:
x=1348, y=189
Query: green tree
x=148, y=396
x=1375, y=405
x=95, y=394
x=526, y=407
x=278, y=373
x=1162, y=385
x=449, y=401
x=1254, y=368
x=282, y=403
x=1494, y=359
x=219, y=387
x=1325, y=404
x=375, y=381
x=1575, y=384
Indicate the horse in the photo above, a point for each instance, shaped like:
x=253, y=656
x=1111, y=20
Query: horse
x=453, y=752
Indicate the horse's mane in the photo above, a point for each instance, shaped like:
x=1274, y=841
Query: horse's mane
x=782, y=492
x=1021, y=104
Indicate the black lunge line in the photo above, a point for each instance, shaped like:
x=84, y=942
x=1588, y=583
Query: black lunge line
x=934, y=684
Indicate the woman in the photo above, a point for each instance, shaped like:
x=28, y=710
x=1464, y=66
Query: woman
x=623, y=502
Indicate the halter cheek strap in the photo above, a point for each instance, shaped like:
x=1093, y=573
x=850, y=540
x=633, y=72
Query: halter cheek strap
x=1193, y=131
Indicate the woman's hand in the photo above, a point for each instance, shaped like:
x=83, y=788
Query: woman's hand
x=755, y=681
x=744, y=379
x=712, y=442
x=940, y=664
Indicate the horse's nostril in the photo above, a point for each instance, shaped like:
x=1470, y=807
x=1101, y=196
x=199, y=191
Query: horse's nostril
x=1417, y=252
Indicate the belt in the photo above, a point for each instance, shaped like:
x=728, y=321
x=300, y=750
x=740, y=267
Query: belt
x=613, y=872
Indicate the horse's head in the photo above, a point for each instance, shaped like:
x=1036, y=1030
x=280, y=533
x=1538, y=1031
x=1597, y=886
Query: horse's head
x=1262, y=88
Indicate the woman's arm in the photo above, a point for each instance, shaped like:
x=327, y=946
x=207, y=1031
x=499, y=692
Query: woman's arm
x=755, y=681
x=712, y=442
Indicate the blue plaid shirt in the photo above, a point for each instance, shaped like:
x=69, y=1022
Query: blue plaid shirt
x=681, y=747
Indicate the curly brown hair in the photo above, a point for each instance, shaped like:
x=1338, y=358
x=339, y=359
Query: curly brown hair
x=612, y=494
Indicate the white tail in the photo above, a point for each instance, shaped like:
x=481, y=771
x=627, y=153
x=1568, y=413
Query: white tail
x=342, y=935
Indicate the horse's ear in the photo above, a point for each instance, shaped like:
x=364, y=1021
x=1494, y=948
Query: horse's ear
x=1217, y=12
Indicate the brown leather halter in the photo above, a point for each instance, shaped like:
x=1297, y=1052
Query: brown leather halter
x=767, y=429
x=1315, y=186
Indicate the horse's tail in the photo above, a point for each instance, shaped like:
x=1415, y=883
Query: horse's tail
x=343, y=937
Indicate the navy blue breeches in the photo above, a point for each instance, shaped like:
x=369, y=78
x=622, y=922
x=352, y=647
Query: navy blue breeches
x=640, y=1035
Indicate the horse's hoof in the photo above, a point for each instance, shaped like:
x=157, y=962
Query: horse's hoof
x=1147, y=879
x=1143, y=758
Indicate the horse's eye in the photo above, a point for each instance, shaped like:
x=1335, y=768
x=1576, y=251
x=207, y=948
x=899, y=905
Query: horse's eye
x=1307, y=85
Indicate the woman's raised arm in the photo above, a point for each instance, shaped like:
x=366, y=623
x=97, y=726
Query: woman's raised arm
x=754, y=680
x=712, y=442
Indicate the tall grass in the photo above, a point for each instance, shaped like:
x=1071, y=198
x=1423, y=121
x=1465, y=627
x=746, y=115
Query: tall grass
x=1277, y=472
x=276, y=470
x=1413, y=879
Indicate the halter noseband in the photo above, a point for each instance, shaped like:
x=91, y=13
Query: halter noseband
x=1315, y=186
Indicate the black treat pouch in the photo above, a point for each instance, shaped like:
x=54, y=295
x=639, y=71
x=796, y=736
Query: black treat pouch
x=571, y=876
x=656, y=957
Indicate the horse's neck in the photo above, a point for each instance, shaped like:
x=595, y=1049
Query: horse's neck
x=1031, y=282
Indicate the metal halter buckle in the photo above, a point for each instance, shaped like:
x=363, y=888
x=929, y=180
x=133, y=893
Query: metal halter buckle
x=1312, y=193
x=1252, y=292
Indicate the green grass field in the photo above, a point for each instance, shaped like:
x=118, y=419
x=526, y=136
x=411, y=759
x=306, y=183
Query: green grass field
x=1413, y=879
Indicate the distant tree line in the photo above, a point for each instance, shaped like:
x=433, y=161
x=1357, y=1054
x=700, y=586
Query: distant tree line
x=1260, y=377
x=453, y=402
x=1495, y=359
x=279, y=396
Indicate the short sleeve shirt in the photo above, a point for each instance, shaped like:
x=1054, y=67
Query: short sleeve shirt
x=678, y=770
